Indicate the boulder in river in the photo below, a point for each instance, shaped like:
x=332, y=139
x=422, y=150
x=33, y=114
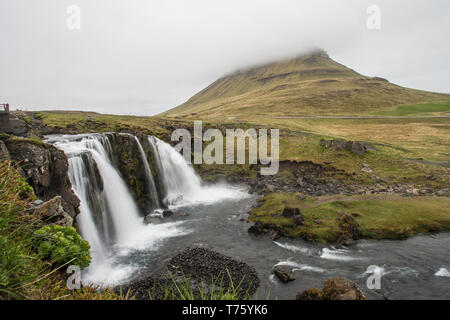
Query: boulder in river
x=284, y=273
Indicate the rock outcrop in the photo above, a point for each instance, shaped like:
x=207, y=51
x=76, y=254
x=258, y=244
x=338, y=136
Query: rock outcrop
x=129, y=162
x=357, y=147
x=334, y=289
x=51, y=212
x=12, y=124
x=46, y=169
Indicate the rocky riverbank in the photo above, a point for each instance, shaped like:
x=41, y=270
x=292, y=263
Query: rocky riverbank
x=200, y=270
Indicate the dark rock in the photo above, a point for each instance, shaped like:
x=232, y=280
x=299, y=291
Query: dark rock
x=46, y=169
x=167, y=213
x=257, y=228
x=342, y=289
x=273, y=234
x=129, y=162
x=284, y=273
x=199, y=266
x=290, y=211
x=358, y=148
x=12, y=124
x=207, y=265
x=270, y=188
x=340, y=145
x=298, y=220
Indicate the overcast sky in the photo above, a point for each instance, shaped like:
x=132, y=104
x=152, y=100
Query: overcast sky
x=146, y=56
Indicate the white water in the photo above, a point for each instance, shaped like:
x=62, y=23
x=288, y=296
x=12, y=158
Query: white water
x=118, y=210
x=293, y=248
x=442, y=272
x=121, y=230
x=337, y=255
x=300, y=267
x=184, y=186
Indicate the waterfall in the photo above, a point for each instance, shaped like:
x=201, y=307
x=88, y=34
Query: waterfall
x=119, y=213
x=149, y=174
x=162, y=183
x=88, y=229
x=109, y=219
x=184, y=186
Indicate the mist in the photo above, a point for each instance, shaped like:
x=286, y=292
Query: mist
x=144, y=57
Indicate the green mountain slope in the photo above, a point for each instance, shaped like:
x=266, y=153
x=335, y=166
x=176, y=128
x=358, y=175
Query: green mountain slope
x=311, y=84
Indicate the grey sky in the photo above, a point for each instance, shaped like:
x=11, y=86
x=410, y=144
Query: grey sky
x=146, y=56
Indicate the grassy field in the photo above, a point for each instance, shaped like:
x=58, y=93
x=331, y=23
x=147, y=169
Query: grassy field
x=378, y=216
x=418, y=109
x=395, y=140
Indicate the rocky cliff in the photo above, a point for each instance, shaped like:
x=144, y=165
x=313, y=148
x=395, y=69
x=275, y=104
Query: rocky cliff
x=44, y=167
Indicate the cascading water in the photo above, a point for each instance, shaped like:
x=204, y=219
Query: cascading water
x=162, y=183
x=149, y=174
x=184, y=186
x=109, y=219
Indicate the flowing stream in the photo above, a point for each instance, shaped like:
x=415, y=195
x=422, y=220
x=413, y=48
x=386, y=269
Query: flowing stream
x=123, y=247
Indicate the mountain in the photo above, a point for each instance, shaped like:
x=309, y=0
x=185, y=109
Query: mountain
x=310, y=84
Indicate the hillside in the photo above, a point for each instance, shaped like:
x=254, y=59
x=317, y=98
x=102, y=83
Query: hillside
x=311, y=84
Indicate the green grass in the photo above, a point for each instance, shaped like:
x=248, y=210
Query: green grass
x=417, y=109
x=379, y=217
x=183, y=289
x=24, y=274
x=19, y=265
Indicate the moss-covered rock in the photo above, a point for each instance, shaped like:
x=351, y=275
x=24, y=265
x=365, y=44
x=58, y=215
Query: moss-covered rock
x=310, y=294
x=334, y=289
x=129, y=162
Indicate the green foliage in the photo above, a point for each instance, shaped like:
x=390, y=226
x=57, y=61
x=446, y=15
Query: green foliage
x=28, y=120
x=62, y=244
x=377, y=216
x=184, y=289
x=19, y=266
x=416, y=109
x=57, y=290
